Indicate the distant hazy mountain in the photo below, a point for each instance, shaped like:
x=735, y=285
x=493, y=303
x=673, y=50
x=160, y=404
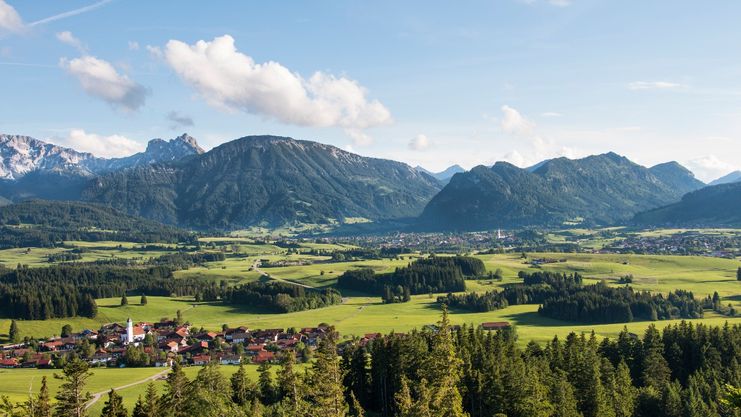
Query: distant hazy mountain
x=734, y=176
x=33, y=168
x=675, y=175
x=718, y=205
x=601, y=189
x=443, y=176
x=267, y=180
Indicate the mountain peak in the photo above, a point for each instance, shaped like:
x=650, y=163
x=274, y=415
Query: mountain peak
x=181, y=144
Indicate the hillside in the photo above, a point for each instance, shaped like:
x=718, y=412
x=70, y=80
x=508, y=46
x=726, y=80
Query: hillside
x=42, y=223
x=267, y=180
x=676, y=176
x=734, y=176
x=601, y=189
x=716, y=206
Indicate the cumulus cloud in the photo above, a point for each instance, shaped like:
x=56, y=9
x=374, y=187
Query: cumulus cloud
x=179, y=120
x=420, y=143
x=10, y=20
x=514, y=122
x=68, y=38
x=99, y=145
x=229, y=79
x=653, y=85
x=710, y=167
x=101, y=80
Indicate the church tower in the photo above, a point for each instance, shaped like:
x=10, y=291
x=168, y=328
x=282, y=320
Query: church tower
x=129, y=331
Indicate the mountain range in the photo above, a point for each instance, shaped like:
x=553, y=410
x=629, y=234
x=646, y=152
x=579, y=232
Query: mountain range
x=600, y=189
x=445, y=175
x=274, y=181
x=734, y=176
x=714, y=206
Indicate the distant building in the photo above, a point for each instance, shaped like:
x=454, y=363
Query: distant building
x=495, y=325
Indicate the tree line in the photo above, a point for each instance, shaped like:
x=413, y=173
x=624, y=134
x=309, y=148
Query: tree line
x=685, y=370
x=423, y=276
x=280, y=297
x=564, y=297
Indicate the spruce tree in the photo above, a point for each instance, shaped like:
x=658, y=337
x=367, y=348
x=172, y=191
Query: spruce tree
x=114, y=406
x=124, y=300
x=210, y=394
x=244, y=391
x=150, y=405
x=266, y=386
x=327, y=393
x=562, y=396
x=143, y=300
x=292, y=387
x=42, y=405
x=13, y=333
x=624, y=394
x=176, y=393
x=356, y=410
x=738, y=274
x=72, y=397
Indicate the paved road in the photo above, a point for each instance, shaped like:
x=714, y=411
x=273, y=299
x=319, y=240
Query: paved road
x=99, y=395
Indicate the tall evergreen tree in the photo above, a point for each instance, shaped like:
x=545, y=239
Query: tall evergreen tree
x=72, y=397
x=114, y=406
x=143, y=300
x=266, y=385
x=176, y=393
x=244, y=391
x=13, y=334
x=327, y=393
x=124, y=300
x=42, y=405
x=738, y=274
x=150, y=405
x=292, y=388
x=210, y=394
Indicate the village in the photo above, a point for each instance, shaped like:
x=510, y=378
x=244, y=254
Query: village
x=160, y=344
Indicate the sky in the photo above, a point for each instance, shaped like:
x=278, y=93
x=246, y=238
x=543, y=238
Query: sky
x=430, y=83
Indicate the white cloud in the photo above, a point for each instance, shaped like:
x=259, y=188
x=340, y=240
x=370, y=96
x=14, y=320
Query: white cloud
x=68, y=38
x=133, y=46
x=710, y=167
x=229, y=79
x=101, y=80
x=515, y=123
x=653, y=85
x=359, y=138
x=10, y=20
x=105, y=146
x=420, y=143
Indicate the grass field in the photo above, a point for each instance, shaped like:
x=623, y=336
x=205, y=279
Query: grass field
x=18, y=383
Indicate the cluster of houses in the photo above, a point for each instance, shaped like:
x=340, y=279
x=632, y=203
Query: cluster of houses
x=687, y=243
x=161, y=342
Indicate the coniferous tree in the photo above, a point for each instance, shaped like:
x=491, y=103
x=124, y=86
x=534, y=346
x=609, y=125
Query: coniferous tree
x=292, y=388
x=114, y=406
x=244, y=391
x=623, y=392
x=143, y=300
x=356, y=410
x=150, y=405
x=327, y=394
x=72, y=397
x=13, y=333
x=210, y=394
x=738, y=274
x=562, y=395
x=42, y=405
x=124, y=300
x=266, y=386
x=176, y=393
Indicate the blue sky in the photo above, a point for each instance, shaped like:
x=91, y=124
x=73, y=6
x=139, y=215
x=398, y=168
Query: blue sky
x=426, y=82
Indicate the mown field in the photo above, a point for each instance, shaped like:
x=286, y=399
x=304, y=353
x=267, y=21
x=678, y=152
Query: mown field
x=18, y=383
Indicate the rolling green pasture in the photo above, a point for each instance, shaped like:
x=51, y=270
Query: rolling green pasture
x=18, y=383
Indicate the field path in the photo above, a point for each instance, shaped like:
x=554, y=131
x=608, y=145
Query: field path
x=99, y=395
x=256, y=268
